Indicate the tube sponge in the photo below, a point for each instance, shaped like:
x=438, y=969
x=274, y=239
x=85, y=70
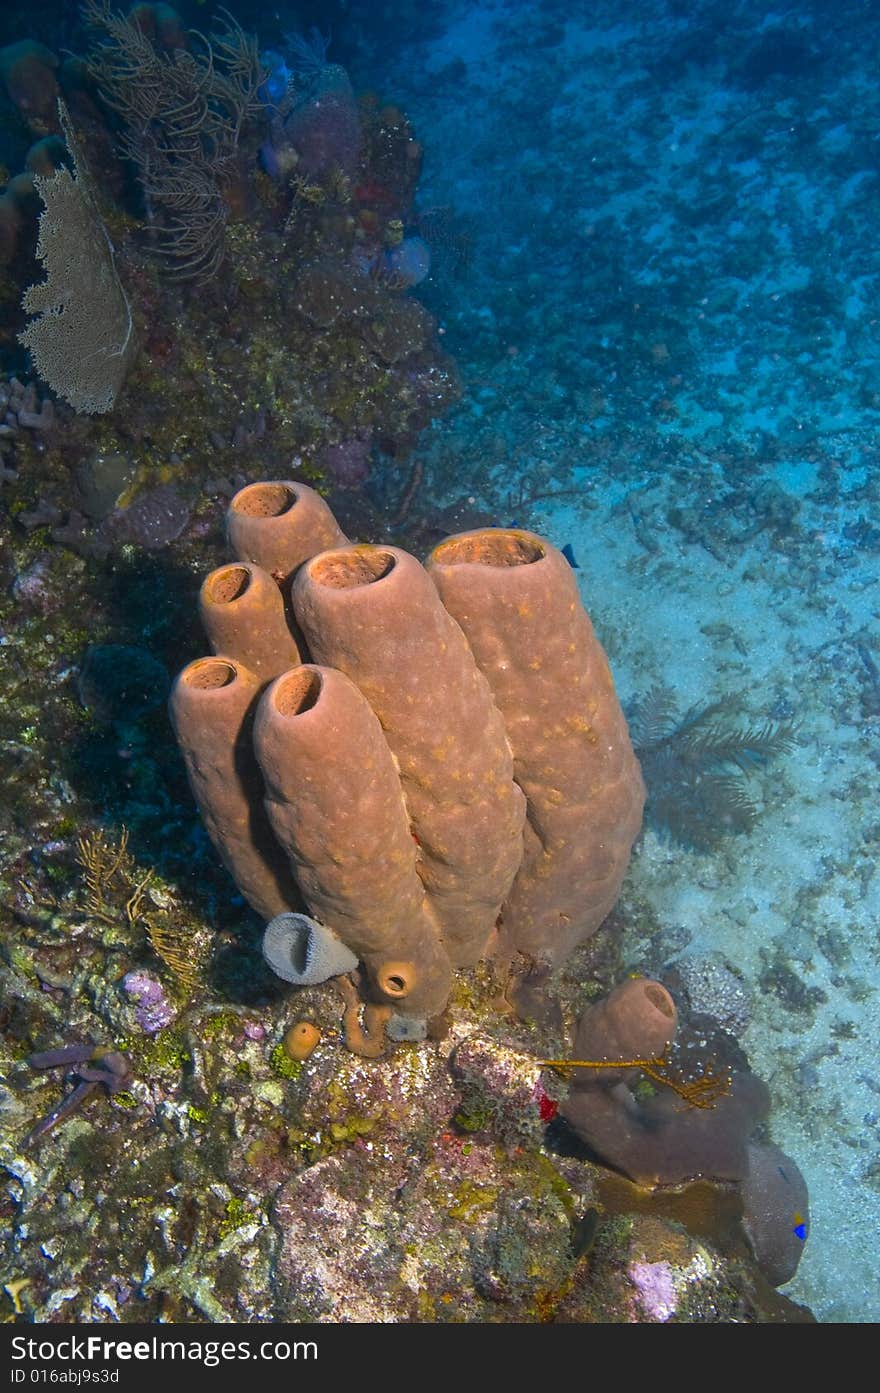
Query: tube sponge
x=279, y=525
x=516, y=598
x=637, y=1020
x=334, y=800
x=385, y=784
x=242, y=613
x=373, y=613
x=212, y=710
x=302, y=951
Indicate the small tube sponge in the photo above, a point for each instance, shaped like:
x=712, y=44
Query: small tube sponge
x=242, y=612
x=301, y=1040
x=373, y=613
x=212, y=710
x=302, y=951
x=516, y=598
x=637, y=1020
x=279, y=525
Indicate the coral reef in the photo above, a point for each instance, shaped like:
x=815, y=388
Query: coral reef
x=396, y=788
x=701, y=432
x=156, y=186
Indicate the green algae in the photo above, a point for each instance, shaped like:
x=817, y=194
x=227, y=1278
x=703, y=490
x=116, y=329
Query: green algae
x=236, y=1216
x=281, y=1063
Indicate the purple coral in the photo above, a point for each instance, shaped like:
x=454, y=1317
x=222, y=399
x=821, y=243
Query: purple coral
x=153, y=1010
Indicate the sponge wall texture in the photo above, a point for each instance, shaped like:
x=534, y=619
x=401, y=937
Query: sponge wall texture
x=335, y=803
x=516, y=599
x=373, y=613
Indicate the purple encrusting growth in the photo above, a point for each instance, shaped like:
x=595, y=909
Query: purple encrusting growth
x=321, y=130
x=409, y=262
x=654, y=1283
x=33, y=587
x=151, y=522
x=348, y=462
x=153, y=1010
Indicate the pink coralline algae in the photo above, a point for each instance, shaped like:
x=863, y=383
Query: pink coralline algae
x=153, y=1011
x=656, y=1288
x=33, y=587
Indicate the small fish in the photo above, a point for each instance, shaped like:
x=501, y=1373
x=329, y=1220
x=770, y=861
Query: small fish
x=583, y=1233
x=568, y=553
x=800, y=1227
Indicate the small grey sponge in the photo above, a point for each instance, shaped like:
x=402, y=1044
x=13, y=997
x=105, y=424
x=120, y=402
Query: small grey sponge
x=302, y=951
x=406, y=1028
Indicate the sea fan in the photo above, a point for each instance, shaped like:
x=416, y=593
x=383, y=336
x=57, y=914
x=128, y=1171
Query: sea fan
x=695, y=766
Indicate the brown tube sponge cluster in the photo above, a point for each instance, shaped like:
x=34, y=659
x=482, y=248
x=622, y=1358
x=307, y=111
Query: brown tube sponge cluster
x=418, y=755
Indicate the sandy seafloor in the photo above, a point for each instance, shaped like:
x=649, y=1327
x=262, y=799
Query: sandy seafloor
x=669, y=321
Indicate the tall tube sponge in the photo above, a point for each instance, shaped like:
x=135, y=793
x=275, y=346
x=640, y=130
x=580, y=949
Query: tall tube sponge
x=272, y=527
x=242, y=613
x=335, y=803
x=279, y=524
x=373, y=613
x=517, y=601
x=212, y=708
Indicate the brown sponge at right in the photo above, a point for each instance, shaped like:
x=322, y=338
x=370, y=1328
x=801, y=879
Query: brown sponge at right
x=657, y=1139
x=516, y=598
x=698, y=1124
